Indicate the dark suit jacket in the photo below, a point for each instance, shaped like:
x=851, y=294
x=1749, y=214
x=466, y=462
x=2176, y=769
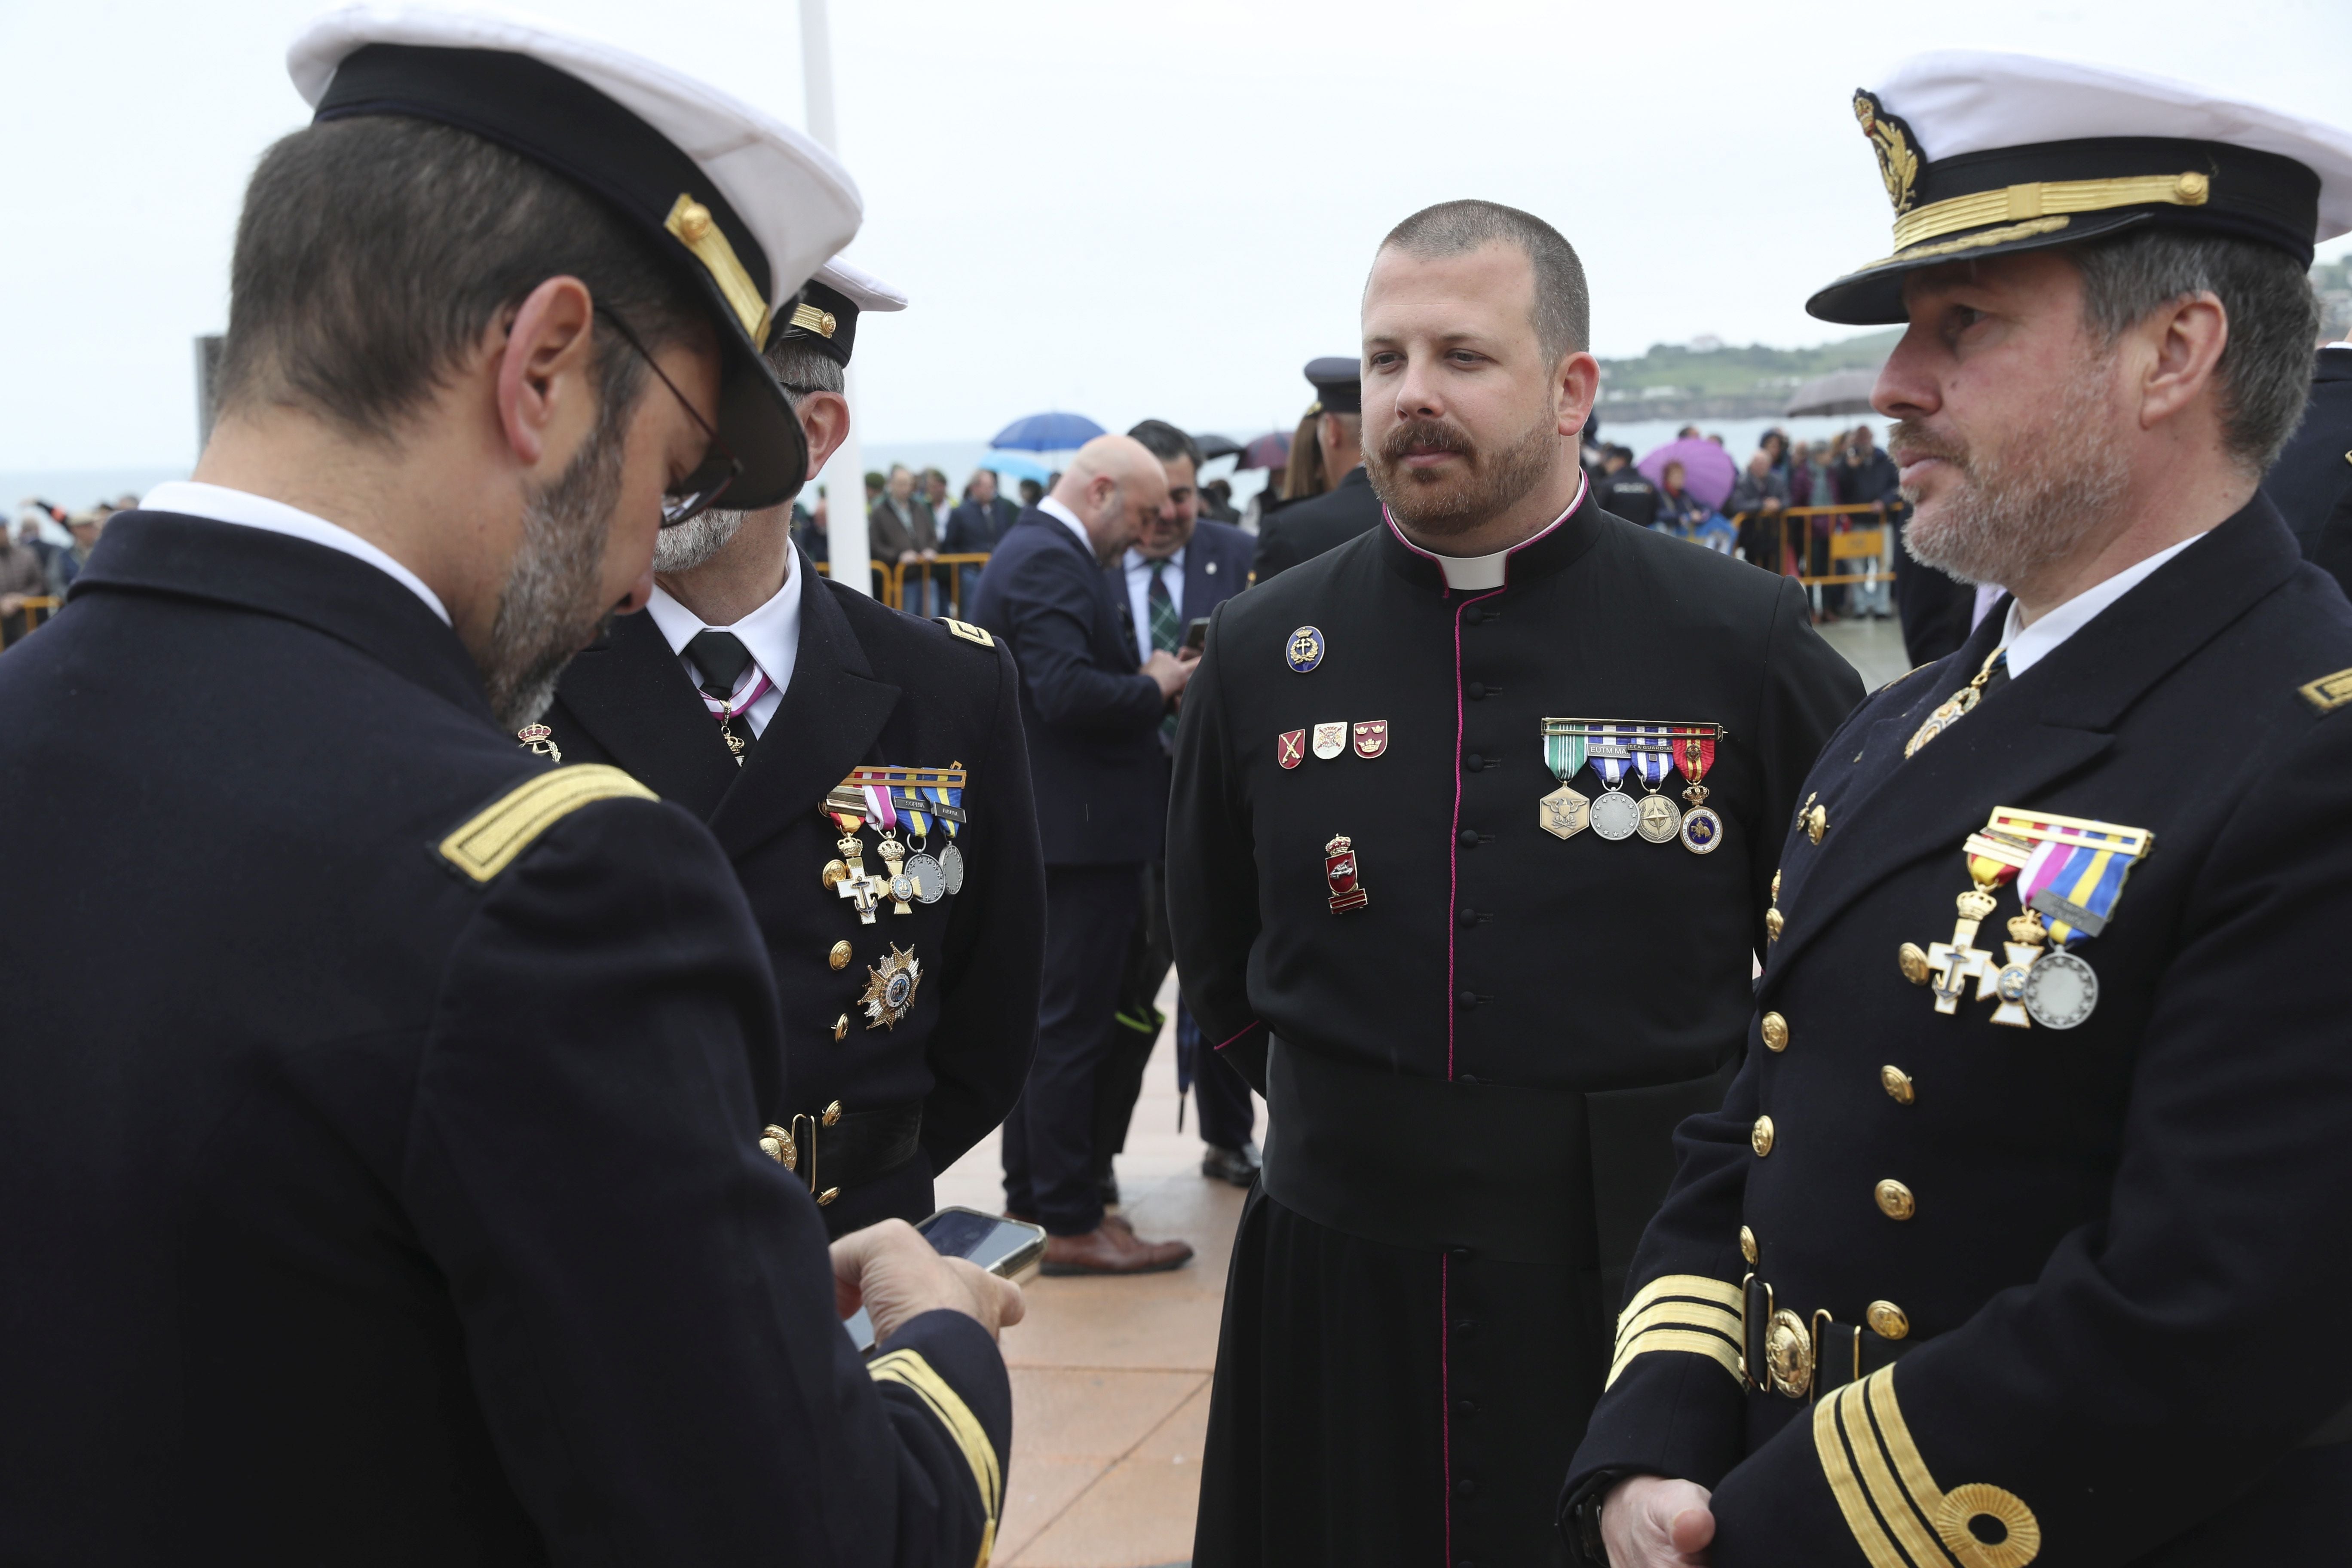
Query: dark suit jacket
x=2311, y=483
x=869, y=685
x=2154, y=1188
x=381, y=1171
x=1092, y=718
x=974, y=528
x=1306, y=529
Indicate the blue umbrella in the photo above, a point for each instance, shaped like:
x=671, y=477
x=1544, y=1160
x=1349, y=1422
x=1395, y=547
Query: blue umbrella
x=1048, y=433
x=1016, y=467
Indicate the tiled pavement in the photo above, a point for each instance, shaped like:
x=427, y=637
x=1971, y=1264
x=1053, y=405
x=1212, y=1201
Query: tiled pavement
x=1111, y=1377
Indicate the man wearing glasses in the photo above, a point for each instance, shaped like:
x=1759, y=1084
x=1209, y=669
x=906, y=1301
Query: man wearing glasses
x=382, y=1109
x=769, y=701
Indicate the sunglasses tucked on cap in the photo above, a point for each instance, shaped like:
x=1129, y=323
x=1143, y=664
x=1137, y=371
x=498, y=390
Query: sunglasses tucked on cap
x=748, y=207
x=1982, y=154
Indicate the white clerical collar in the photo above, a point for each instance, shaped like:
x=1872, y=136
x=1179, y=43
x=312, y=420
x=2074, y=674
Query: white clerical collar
x=771, y=633
x=2028, y=646
x=1473, y=573
x=219, y=503
x=1070, y=519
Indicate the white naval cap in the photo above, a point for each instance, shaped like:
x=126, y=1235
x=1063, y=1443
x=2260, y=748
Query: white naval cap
x=829, y=307
x=1984, y=153
x=750, y=207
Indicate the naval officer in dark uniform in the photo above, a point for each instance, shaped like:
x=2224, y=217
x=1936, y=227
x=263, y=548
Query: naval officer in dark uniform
x=909, y=1025
x=2017, y=1242
x=381, y=1106
x=1469, y=854
x=1306, y=529
x=2311, y=483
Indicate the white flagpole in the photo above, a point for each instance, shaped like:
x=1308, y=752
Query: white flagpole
x=846, y=501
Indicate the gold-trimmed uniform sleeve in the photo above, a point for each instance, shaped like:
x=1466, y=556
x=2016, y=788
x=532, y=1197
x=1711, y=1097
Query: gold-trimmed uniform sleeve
x=1687, y=1312
x=911, y=1372
x=1900, y=1518
x=487, y=842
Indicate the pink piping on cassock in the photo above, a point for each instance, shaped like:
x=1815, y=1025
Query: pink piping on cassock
x=1253, y=1024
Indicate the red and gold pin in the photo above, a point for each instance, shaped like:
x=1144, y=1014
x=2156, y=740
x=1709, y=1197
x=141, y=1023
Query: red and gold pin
x=1341, y=870
x=1290, y=747
x=1371, y=738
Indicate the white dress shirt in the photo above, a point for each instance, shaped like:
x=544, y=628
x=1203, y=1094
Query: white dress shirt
x=1139, y=594
x=771, y=633
x=1070, y=519
x=2028, y=646
x=219, y=503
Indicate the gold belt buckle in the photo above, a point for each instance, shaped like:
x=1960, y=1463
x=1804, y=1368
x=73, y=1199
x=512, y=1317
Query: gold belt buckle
x=1789, y=1354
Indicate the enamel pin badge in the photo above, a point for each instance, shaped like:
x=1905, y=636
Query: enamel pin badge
x=1305, y=650
x=1341, y=870
x=1330, y=739
x=1371, y=738
x=1290, y=747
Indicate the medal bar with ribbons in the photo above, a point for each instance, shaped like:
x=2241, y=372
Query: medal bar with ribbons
x=1615, y=747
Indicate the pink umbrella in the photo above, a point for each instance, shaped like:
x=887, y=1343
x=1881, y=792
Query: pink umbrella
x=1708, y=471
x=1268, y=451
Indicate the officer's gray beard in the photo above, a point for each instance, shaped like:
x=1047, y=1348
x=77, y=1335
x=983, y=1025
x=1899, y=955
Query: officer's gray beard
x=1441, y=507
x=552, y=606
x=695, y=540
x=2014, y=514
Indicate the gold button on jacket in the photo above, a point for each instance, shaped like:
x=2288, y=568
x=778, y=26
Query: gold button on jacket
x=1759, y=1138
x=1898, y=1084
x=1776, y=1032
x=1886, y=1319
x=1894, y=1200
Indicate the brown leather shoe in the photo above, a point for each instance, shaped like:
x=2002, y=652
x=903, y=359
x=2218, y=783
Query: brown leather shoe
x=1113, y=1250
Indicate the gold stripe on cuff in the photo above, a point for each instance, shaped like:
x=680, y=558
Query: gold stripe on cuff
x=912, y=1372
x=1697, y=1286
x=1829, y=1417
x=1682, y=1314
x=1695, y=1341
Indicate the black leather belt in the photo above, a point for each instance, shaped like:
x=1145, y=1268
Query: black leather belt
x=1802, y=1355
x=845, y=1149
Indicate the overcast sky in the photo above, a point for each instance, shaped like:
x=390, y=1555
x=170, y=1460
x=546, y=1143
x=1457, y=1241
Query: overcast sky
x=1121, y=209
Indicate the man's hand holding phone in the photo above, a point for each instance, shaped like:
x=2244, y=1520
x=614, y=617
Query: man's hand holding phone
x=892, y=1271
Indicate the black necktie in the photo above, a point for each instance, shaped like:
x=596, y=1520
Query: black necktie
x=722, y=659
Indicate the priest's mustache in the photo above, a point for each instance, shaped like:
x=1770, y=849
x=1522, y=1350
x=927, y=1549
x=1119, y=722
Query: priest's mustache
x=1419, y=437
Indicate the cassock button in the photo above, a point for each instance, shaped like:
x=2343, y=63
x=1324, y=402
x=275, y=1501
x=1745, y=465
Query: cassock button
x=1475, y=691
x=1897, y=1085
x=1776, y=1032
x=1466, y=1000
x=1895, y=1200
x=1466, y=1487
x=1468, y=838
x=1466, y=919
x=1465, y=1407
x=1474, y=763
x=1760, y=1137
x=1464, y=1327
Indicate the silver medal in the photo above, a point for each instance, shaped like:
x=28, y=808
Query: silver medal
x=951, y=869
x=1615, y=815
x=930, y=881
x=2060, y=991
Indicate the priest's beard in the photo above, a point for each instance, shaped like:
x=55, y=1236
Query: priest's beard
x=1446, y=505
x=552, y=606
x=697, y=539
x=2054, y=480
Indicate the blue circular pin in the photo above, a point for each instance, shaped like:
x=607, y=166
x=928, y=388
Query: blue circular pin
x=1305, y=650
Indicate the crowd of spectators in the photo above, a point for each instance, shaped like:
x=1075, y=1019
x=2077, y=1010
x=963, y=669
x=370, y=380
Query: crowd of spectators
x=42, y=555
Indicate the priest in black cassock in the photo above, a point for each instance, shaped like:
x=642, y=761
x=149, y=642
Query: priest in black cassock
x=1471, y=854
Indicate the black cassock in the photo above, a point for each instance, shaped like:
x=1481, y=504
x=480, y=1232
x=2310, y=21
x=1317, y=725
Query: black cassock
x=1474, y=1076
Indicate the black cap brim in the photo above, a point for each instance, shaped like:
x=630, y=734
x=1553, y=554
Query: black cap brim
x=1872, y=296
x=756, y=422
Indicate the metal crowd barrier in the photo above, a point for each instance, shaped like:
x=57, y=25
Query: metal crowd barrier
x=890, y=578
x=1852, y=544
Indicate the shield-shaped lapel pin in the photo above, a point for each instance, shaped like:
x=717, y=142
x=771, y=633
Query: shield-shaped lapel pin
x=1290, y=747
x=1330, y=739
x=1371, y=738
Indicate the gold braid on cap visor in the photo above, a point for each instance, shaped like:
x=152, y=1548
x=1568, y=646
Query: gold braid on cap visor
x=2047, y=198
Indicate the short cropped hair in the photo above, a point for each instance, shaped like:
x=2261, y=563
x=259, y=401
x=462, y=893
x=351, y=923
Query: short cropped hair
x=1563, y=307
x=804, y=368
x=2265, y=373
x=374, y=252
x=1166, y=442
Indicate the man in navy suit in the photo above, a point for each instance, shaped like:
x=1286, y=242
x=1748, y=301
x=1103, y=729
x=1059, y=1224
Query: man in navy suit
x=1091, y=708
x=2311, y=482
x=1177, y=571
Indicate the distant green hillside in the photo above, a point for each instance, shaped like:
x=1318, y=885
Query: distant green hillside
x=1741, y=371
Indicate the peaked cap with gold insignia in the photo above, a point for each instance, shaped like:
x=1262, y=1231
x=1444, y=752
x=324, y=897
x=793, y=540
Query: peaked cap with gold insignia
x=1986, y=154
x=829, y=307
x=746, y=206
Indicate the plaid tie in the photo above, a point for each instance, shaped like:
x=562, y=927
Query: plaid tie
x=1162, y=611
